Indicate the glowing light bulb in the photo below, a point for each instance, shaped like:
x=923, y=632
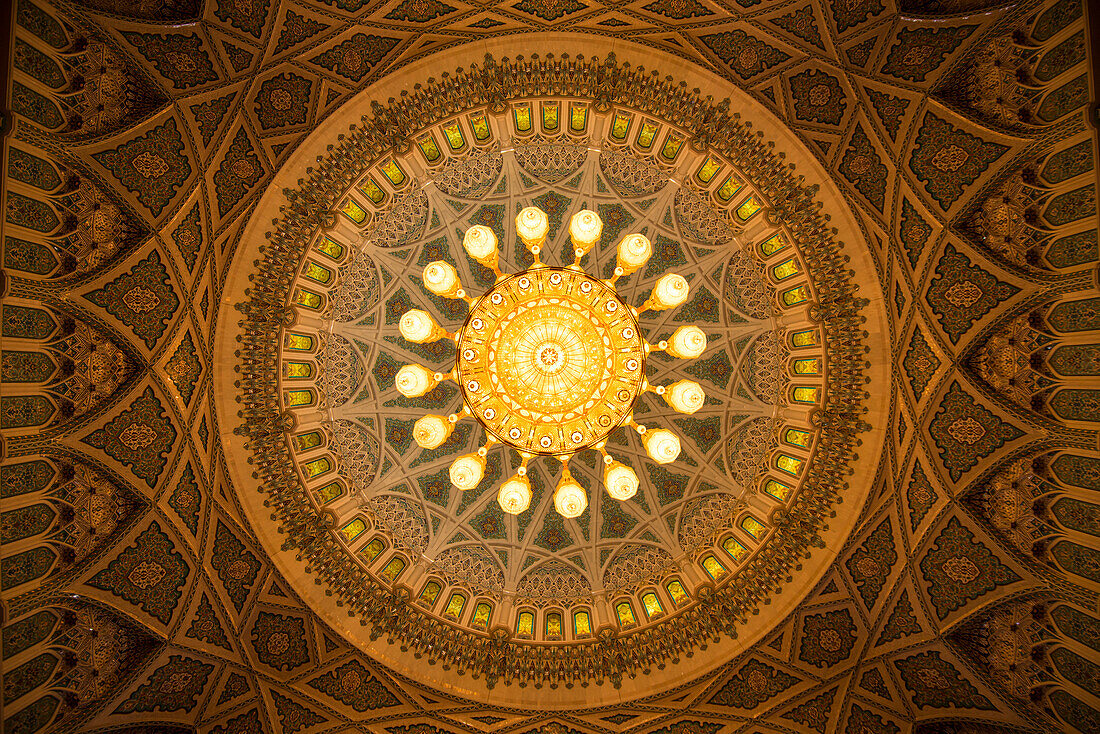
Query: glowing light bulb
x=585, y=229
x=620, y=481
x=687, y=342
x=662, y=445
x=671, y=290
x=685, y=396
x=532, y=226
x=515, y=495
x=481, y=244
x=412, y=380
x=442, y=279
x=430, y=431
x=634, y=252
x=569, y=498
x=419, y=327
x=467, y=471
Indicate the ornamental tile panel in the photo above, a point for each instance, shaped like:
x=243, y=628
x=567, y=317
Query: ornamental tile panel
x=150, y=574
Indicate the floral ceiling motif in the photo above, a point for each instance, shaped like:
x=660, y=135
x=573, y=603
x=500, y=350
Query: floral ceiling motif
x=139, y=593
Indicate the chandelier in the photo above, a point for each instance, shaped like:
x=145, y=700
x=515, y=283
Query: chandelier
x=550, y=361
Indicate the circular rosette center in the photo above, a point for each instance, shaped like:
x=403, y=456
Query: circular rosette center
x=551, y=361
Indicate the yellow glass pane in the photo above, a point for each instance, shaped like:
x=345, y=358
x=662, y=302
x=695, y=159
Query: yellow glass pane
x=393, y=569
x=710, y=168
x=297, y=370
x=330, y=247
x=804, y=338
x=773, y=244
x=811, y=366
x=353, y=211
x=353, y=529
x=578, y=117
x=652, y=605
x=646, y=135
x=454, y=607
x=307, y=441
x=672, y=146
x=521, y=115
x=789, y=464
x=309, y=299
x=797, y=438
x=550, y=114
x=748, y=208
x=553, y=626
x=785, y=269
x=730, y=187
x=625, y=613
x=753, y=527
x=429, y=148
x=621, y=126
x=373, y=550
x=525, y=626
x=454, y=136
x=737, y=551
x=393, y=172
x=329, y=492
x=298, y=398
x=429, y=593
x=582, y=624
x=372, y=190
x=299, y=342
x=804, y=395
x=317, y=467
x=795, y=296
x=479, y=123
x=482, y=612
x=678, y=593
x=777, y=490
x=713, y=568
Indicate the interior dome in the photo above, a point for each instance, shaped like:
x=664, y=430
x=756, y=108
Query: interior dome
x=414, y=570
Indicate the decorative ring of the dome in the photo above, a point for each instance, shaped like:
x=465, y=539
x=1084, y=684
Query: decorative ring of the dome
x=537, y=598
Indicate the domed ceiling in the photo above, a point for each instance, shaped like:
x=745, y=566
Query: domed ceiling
x=883, y=518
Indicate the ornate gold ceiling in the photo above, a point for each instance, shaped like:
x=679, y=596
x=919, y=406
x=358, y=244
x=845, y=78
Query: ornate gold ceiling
x=214, y=517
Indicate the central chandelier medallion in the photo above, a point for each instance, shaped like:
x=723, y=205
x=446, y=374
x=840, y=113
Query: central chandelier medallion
x=550, y=361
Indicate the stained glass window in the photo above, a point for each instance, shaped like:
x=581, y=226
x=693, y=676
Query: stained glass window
x=625, y=613
x=482, y=612
x=582, y=623
x=329, y=492
x=353, y=529
x=713, y=568
x=652, y=605
x=454, y=607
x=678, y=593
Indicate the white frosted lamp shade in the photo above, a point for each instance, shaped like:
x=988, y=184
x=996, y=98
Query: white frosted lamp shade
x=671, y=290
x=467, y=471
x=514, y=495
x=430, y=431
x=419, y=327
x=661, y=445
x=620, y=481
x=532, y=226
x=634, y=252
x=442, y=279
x=481, y=244
x=687, y=342
x=685, y=396
x=585, y=229
x=412, y=380
x=570, y=498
